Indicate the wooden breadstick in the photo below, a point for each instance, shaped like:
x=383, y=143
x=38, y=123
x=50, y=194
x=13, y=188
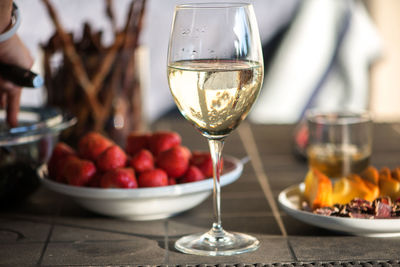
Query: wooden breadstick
x=78, y=68
x=108, y=61
x=101, y=73
x=110, y=15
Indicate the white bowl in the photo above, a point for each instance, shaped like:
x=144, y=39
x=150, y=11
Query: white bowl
x=145, y=203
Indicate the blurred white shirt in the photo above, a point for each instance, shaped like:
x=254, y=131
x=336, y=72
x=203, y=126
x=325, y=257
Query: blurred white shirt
x=303, y=57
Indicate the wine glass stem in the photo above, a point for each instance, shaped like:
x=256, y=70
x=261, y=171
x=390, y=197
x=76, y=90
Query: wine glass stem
x=216, y=146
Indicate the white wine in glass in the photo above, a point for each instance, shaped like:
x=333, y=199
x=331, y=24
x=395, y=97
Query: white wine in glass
x=215, y=72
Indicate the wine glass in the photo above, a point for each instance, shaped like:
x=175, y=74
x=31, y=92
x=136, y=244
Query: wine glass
x=215, y=72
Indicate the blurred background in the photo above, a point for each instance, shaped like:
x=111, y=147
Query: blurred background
x=333, y=54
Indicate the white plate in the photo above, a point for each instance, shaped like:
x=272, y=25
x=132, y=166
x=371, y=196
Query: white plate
x=291, y=198
x=145, y=203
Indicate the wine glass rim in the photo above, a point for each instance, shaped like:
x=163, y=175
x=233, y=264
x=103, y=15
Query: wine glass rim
x=213, y=5
x=342, y=117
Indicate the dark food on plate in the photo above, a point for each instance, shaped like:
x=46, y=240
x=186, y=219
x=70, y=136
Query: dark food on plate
x=380, y=208
x=372, y=194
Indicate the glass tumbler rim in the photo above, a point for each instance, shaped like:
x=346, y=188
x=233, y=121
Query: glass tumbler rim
x=338, y=117
x=212, y=5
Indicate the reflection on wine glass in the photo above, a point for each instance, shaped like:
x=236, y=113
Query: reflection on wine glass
x=215, y=72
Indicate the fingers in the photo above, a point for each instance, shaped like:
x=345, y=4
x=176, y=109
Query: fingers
x=13, y=51
x=10, y=100
x=13, y=100
x=6, y=86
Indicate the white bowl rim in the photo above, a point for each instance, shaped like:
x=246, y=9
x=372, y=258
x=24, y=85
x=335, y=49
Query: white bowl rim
x=141, y=193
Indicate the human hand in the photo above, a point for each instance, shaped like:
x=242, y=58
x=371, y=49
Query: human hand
x=12, y=51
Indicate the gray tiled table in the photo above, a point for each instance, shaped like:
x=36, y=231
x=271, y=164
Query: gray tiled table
x=51, y=230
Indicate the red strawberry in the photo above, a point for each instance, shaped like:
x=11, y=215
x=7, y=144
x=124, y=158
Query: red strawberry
x=142, y=161
x=153, y=178
x=193, y=174
x=62, y=149
x=78, y=171
x=161, y=141
x=60, y=152
x=174, y=161
x=112, y=158
x=136, y=142
x=92, y=144
x=171, y=181
x=119, y=178
x=203, y=161
x=95, y=180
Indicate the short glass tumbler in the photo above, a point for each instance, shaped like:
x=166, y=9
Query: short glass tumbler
x=340, y=142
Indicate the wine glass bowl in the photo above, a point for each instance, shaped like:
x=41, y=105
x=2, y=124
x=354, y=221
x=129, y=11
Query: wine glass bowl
x=228, y=90
x=215, y=72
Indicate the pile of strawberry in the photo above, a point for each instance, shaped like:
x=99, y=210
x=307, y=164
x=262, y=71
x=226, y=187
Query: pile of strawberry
x=148, y=160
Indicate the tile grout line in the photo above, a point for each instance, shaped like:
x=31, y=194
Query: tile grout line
x=291, y=250
x=396, y=128
x=49, y=235
x=166, y=243
x=46, y=244
x=248, y=141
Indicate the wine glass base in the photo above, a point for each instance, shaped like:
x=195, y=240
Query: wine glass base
x=208, y=244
